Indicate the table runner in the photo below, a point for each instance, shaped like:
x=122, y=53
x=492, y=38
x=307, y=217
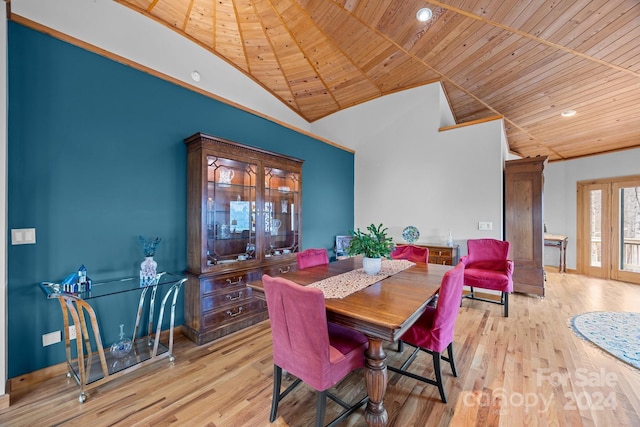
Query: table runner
x=352, y=281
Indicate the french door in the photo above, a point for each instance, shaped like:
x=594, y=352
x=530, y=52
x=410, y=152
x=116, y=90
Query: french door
x=608, y=240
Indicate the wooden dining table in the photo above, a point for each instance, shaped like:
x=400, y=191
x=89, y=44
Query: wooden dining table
x=382, y=311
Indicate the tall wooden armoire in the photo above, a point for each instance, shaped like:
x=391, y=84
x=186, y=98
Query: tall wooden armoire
x=523, y=217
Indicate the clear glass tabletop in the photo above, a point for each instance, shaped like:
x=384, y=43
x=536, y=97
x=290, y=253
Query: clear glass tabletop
x=103, y=288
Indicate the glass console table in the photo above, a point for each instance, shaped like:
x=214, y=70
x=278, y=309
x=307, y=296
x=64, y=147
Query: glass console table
x=91, y=368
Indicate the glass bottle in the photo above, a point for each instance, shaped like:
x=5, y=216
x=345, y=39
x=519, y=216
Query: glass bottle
x=450, y=239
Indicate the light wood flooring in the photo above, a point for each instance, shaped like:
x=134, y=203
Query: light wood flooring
x=526, y=370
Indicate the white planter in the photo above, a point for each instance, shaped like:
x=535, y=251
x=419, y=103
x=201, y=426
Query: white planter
x=371, y=265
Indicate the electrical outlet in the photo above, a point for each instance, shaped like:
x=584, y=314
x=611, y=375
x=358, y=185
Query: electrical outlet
x=72, y=332
x=50, y=338
x=485, y=226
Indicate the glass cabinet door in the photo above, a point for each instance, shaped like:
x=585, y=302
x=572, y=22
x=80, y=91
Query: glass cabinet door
x=230, y=211
x=281, y=212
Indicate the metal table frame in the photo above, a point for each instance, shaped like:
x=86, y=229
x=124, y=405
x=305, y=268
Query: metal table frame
x=76, y=309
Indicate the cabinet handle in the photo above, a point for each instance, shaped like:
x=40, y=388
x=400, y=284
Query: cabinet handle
x=230, y=282
x=232, y=298
x=232, y=314
x=285, y=271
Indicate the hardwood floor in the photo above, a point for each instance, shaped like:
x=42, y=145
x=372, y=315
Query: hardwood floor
x=528, y=369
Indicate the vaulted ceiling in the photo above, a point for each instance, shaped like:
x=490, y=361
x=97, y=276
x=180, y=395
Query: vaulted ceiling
x=527, y=61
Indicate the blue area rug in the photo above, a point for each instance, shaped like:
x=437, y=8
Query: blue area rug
x=618, y=333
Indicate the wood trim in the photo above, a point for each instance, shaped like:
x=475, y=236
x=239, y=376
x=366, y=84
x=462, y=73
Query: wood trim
x=599, y=153
x=117, y=58
x=472, y=122
x=620, y=179
x=31, y=379
x=4, y=401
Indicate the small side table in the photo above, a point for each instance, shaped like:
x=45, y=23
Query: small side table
x=559, y=242
x=75, y=308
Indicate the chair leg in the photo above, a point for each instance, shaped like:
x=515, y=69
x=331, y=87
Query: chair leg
x=320, y=407
x=470, y=295
x=277, y=381
x=451, y=360
x=438, y=371
x=277, y=396
x=505, y=296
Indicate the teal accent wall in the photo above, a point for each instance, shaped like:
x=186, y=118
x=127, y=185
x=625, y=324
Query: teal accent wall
x=96, y=157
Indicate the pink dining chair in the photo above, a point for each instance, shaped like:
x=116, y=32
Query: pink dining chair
x=308, y=347
x=411, y=253
x=311, y=257
x=487, y=266
x=433, y=331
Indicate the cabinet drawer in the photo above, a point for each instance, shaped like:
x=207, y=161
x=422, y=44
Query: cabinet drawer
x=280, y=270
x=440, y=260
x=219, y=283
x=229, y=296
x=233, y=312
x=441, y=252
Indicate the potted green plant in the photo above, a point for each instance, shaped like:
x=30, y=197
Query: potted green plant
x=372, y=245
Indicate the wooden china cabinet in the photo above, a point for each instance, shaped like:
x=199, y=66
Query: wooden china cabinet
x=244, y=216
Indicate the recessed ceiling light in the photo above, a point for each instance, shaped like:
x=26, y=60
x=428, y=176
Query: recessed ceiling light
x=424, y=14
x=568, y=113
x=195, y=76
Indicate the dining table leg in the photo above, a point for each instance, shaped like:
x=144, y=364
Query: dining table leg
x=376, y=382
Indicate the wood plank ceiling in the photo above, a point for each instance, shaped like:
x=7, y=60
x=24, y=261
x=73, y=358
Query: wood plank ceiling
x=525, y=60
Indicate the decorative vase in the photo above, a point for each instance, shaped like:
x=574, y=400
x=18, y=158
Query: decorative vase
x=148, y=271
x=371, y=266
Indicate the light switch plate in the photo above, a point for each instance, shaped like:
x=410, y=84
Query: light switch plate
x=485, y=226
x=23, y=236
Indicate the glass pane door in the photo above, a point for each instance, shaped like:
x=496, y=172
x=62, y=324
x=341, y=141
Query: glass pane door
x=595, y=227
x=609, y=228
x=593, y=235
x=230, y=219
x=281, y=212
x=627, y=215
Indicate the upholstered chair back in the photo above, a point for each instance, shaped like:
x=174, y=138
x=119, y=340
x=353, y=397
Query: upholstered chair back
x=312, y=257
x=411, y=253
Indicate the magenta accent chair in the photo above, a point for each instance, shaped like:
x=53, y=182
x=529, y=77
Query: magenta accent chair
x=311, y=257
x=433, y=331
x=487, y=266
x=308, y=347
x=411, y=253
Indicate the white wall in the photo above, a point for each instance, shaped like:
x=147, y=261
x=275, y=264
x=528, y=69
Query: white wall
x=409, y=173
x=560, y=202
